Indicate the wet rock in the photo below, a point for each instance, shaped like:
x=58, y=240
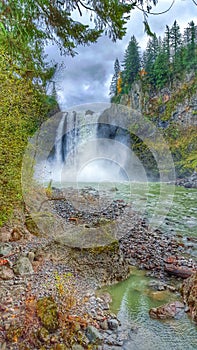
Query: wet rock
x=168, y=311
x=5, y=249
x=113, y=324
x=189, y=293
x=93, y=335
x=23, y=266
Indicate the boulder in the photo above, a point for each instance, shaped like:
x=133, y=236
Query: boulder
x=178, y=271
x=5, y=249
x=189, y=293
x=16, y=234
x=6, y=273
x=168, y=311
x=5, y=235
x=23, y=266
x=113, y=324
x=93, y=335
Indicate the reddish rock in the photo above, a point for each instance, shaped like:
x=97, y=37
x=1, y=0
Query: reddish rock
x=167, y=311
x=178, y=271
x=189, y=293
x=15, y=234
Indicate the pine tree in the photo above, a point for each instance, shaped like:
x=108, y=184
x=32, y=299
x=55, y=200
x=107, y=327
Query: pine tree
x=176, y=45
x=131, y=64
x=149, y=58
x=190, y=41
x=114, y=83
x=166, y=43
x=161, y=69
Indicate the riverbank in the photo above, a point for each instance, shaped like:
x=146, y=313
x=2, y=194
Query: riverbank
x=38, y=268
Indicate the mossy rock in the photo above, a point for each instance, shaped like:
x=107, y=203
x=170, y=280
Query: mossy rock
x=48, y=313
x=31, y=226
x=97, y=238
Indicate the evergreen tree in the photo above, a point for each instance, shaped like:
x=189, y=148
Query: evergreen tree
x=149, y=58
x=190, y=41
x=131, y=63
x=176, y=45
x=166, y=43
x=114, y=83
x=161, y=69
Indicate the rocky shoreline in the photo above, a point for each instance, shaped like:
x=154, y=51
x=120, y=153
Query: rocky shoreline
x=188, y=182
x=39, y=268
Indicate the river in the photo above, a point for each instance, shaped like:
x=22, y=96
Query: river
x=133, y=298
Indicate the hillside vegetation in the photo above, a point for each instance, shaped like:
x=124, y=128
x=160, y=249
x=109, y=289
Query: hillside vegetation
x=162, y=84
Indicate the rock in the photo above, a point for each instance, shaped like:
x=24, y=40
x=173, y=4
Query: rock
x=104, y=325
x=189, y=293
x=31, y=256
x=113, y=324
x=48, y=314
x=168, y=311
x=182, y=272
x=23, y=266
x=77, y=347
x=5, y=249
x=4, y=235
x=6, y=273
x=93, y=335
x=15, y=234
x=106, y=297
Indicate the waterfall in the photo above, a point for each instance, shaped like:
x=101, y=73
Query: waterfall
x=86, y=149
x=59, y=141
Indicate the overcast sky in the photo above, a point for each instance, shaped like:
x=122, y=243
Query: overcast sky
x=87, y=76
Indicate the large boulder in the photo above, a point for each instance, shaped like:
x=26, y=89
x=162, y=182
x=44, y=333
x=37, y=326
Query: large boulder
x=189, y=293
x=92, y=252
x=168, y=311
x=23, y=266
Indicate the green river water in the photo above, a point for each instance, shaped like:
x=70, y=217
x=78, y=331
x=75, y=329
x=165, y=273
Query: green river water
x=132, y=299
x=173, y=210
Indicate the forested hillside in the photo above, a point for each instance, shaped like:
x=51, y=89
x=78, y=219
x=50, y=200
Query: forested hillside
x=161, y=83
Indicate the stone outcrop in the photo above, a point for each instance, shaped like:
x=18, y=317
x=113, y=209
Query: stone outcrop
x=189, y=293
x=168, y=311
x=92, y=252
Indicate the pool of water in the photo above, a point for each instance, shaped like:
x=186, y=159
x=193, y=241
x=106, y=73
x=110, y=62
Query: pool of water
x=132, y=300
x=173, y=210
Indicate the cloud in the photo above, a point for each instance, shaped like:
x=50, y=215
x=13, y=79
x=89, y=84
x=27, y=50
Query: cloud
x=87, y=76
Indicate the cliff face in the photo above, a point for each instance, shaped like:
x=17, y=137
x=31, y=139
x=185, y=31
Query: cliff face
x=174, y=111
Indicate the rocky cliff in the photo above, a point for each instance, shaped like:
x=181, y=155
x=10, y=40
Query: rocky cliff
x=174, y=111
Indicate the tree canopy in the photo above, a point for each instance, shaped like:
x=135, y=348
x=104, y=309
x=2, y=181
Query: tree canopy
x=31, y=24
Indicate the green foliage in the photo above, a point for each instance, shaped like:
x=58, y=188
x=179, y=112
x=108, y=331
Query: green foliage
x=23, y=107
x=131, y=63
x=114, y=83
x=39, y=22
